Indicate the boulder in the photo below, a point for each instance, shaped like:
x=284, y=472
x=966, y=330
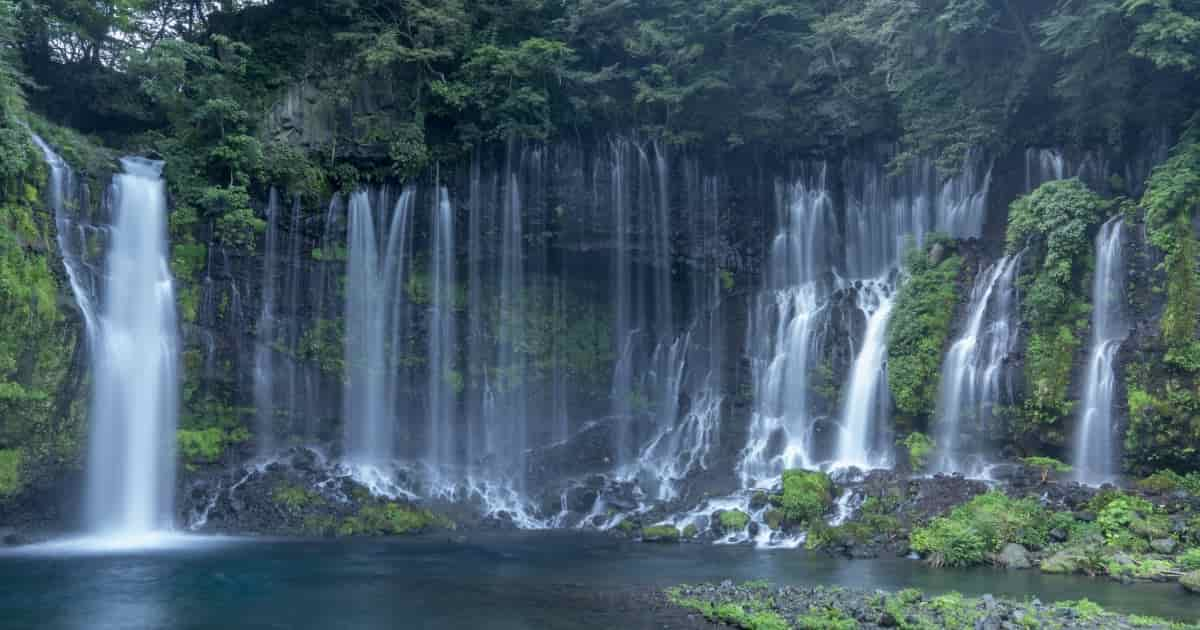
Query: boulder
x=1014, y=556
x=1191, y=581
x=1164, y=545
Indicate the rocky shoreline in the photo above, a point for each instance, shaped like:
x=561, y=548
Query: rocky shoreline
x=762, y=606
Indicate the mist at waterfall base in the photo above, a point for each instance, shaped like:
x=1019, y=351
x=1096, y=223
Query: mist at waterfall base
x=506, y=581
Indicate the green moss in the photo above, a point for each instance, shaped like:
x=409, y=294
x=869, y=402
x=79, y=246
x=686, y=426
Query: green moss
x=690, y=531
x=660, y=533
x=826, y=619
x=807, y=495
x=918, y=331
x=627, y=527
x=10, y=472
x=1165, y=481
x=919, y=447
x=1189, y=560
x=323, y=344
x=206, y=446
x=390, y=519
x=294, y=498
x=751, y=614
x=734, y=521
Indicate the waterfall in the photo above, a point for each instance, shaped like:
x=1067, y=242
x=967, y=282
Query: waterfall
x=862, y=440
x=131, y=454
x=1095, y=460
x=71, y=235
x=688, y=367
x=375, y=309
x=973, y=370
x=264, y=375
x=786, y=318
x=505, y=405
x=444, y=380
x=1043, y=165
x=639, y=197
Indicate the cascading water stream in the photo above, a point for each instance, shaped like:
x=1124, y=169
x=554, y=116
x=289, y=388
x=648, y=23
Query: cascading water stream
x=973, y=368
x=71, y=236
x=1095, y=457
x=131, y=454
x=374, y=317
x=442, y=341
x=264, y=373
x=862, y=441
x=785, y=322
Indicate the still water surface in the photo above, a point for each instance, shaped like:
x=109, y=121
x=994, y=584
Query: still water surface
x=511, y=581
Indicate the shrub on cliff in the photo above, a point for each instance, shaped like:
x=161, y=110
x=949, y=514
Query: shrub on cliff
x=918, y=330
x=806, y=495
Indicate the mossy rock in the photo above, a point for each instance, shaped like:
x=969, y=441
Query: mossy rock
x=660, y=533
x=627, y=527
x=1064, y=562
x=733, y=521
x=807, y=495
x=774, y=519
x=391, y=519
x=690, y=531
x=1191, y=582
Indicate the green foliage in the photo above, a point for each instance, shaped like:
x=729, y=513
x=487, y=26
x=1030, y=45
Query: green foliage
x=1120, y=516
x=919, y=447
x=733, y=520
x=753, y=614
x=1166, y=481
x=981, y=526
x=806, y=495
x=37, y=342
x=207, y=446
x=1055, y=220
x=660, y=533
x=390, y=519
x=294, y=498
x=237, y=226
x=1164, y=422
x=10, y=472
x=1085, y=609
x=949, y=542
x=826, y=619
x=1046, y=465
x=918, y=331
x=323, y=344
x=1189, y=560
x=1052, y=224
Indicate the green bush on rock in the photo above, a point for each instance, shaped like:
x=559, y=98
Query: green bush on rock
x=806, y=495
x=733, y=521
x=982, y=526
